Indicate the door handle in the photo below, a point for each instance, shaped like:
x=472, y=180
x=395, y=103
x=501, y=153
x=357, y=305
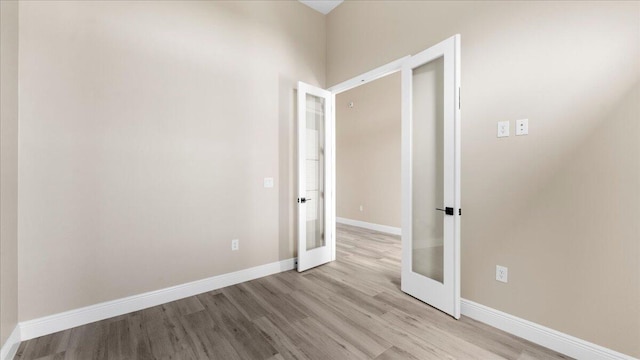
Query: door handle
x=447, y=210
x=303, y=200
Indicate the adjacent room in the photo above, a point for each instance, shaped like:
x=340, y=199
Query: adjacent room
x=368, y=146
x=319, y=179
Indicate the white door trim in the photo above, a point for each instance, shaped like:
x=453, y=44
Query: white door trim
x=369, y=76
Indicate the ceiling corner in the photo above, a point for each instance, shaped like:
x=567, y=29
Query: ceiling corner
x=322, y=6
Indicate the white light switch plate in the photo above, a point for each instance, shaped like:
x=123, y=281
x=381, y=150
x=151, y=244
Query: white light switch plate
x=268, y=182
x=503, y=129
x=522, y=127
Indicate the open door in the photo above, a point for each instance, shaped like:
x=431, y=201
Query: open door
x=316, y=239
x=431, y=176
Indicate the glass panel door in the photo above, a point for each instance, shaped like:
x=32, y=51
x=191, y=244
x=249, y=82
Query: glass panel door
x=315, y=177
x=315, y=200
x=427, y=162
x=431, y=176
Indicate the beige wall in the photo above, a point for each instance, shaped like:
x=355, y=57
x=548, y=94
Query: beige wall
x=8, y=168
x=558, y=207
x=368, y=152
x=146, y=129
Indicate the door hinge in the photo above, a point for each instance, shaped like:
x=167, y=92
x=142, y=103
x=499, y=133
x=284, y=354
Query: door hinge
x=460, y=211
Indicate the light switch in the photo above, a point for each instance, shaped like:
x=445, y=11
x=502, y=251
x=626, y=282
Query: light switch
x=522, y=127
x=503, y=129
x=268, y=182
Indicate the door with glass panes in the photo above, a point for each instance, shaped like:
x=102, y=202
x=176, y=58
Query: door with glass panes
x=430, y=175
x=316, y=238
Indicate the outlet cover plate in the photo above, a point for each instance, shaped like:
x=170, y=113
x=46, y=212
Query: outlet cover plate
x=502, y=273
x=522, y=127
x=503, y=129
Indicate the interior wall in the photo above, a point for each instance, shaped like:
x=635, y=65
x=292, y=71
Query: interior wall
x=368, y=152
x=8, y=168
x=558, y=207
x=146, y=129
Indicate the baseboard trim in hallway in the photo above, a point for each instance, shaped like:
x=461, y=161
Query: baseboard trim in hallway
x=538, y=334
x=371, y=226
x=72, y=318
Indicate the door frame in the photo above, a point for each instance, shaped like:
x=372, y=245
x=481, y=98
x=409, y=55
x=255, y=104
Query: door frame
x=369, y=76
x=375, y=74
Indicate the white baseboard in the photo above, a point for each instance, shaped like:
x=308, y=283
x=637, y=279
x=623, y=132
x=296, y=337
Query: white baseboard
x=69, y=319
x=552, y=339
x=538, y=334
x=371, y=226
x=10, y=347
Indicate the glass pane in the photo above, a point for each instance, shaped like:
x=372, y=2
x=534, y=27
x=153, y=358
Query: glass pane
x=315, y=171
x=427, y=169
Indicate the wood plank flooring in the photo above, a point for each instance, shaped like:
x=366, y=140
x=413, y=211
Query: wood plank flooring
x=349, y=309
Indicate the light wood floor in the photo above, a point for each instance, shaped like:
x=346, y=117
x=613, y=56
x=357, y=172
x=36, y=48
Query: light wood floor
x=350, y=309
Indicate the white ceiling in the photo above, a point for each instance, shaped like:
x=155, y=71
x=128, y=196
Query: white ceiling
x=323, y=6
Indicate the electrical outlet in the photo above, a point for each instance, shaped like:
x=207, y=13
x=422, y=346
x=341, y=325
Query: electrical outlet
x=268, y=182
x=503, y=129
x=502, y=273
x=235, y=244
x=361, y=208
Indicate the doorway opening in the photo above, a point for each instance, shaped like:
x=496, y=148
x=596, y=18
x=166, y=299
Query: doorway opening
x=429, y=169
x=368, y=131
x=368, y=155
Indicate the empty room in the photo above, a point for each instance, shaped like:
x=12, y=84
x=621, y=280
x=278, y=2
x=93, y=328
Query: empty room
x=291, y=179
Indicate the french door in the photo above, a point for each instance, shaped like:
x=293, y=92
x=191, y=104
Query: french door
x=430, y=173
x=431, y=176
x=316, y=204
